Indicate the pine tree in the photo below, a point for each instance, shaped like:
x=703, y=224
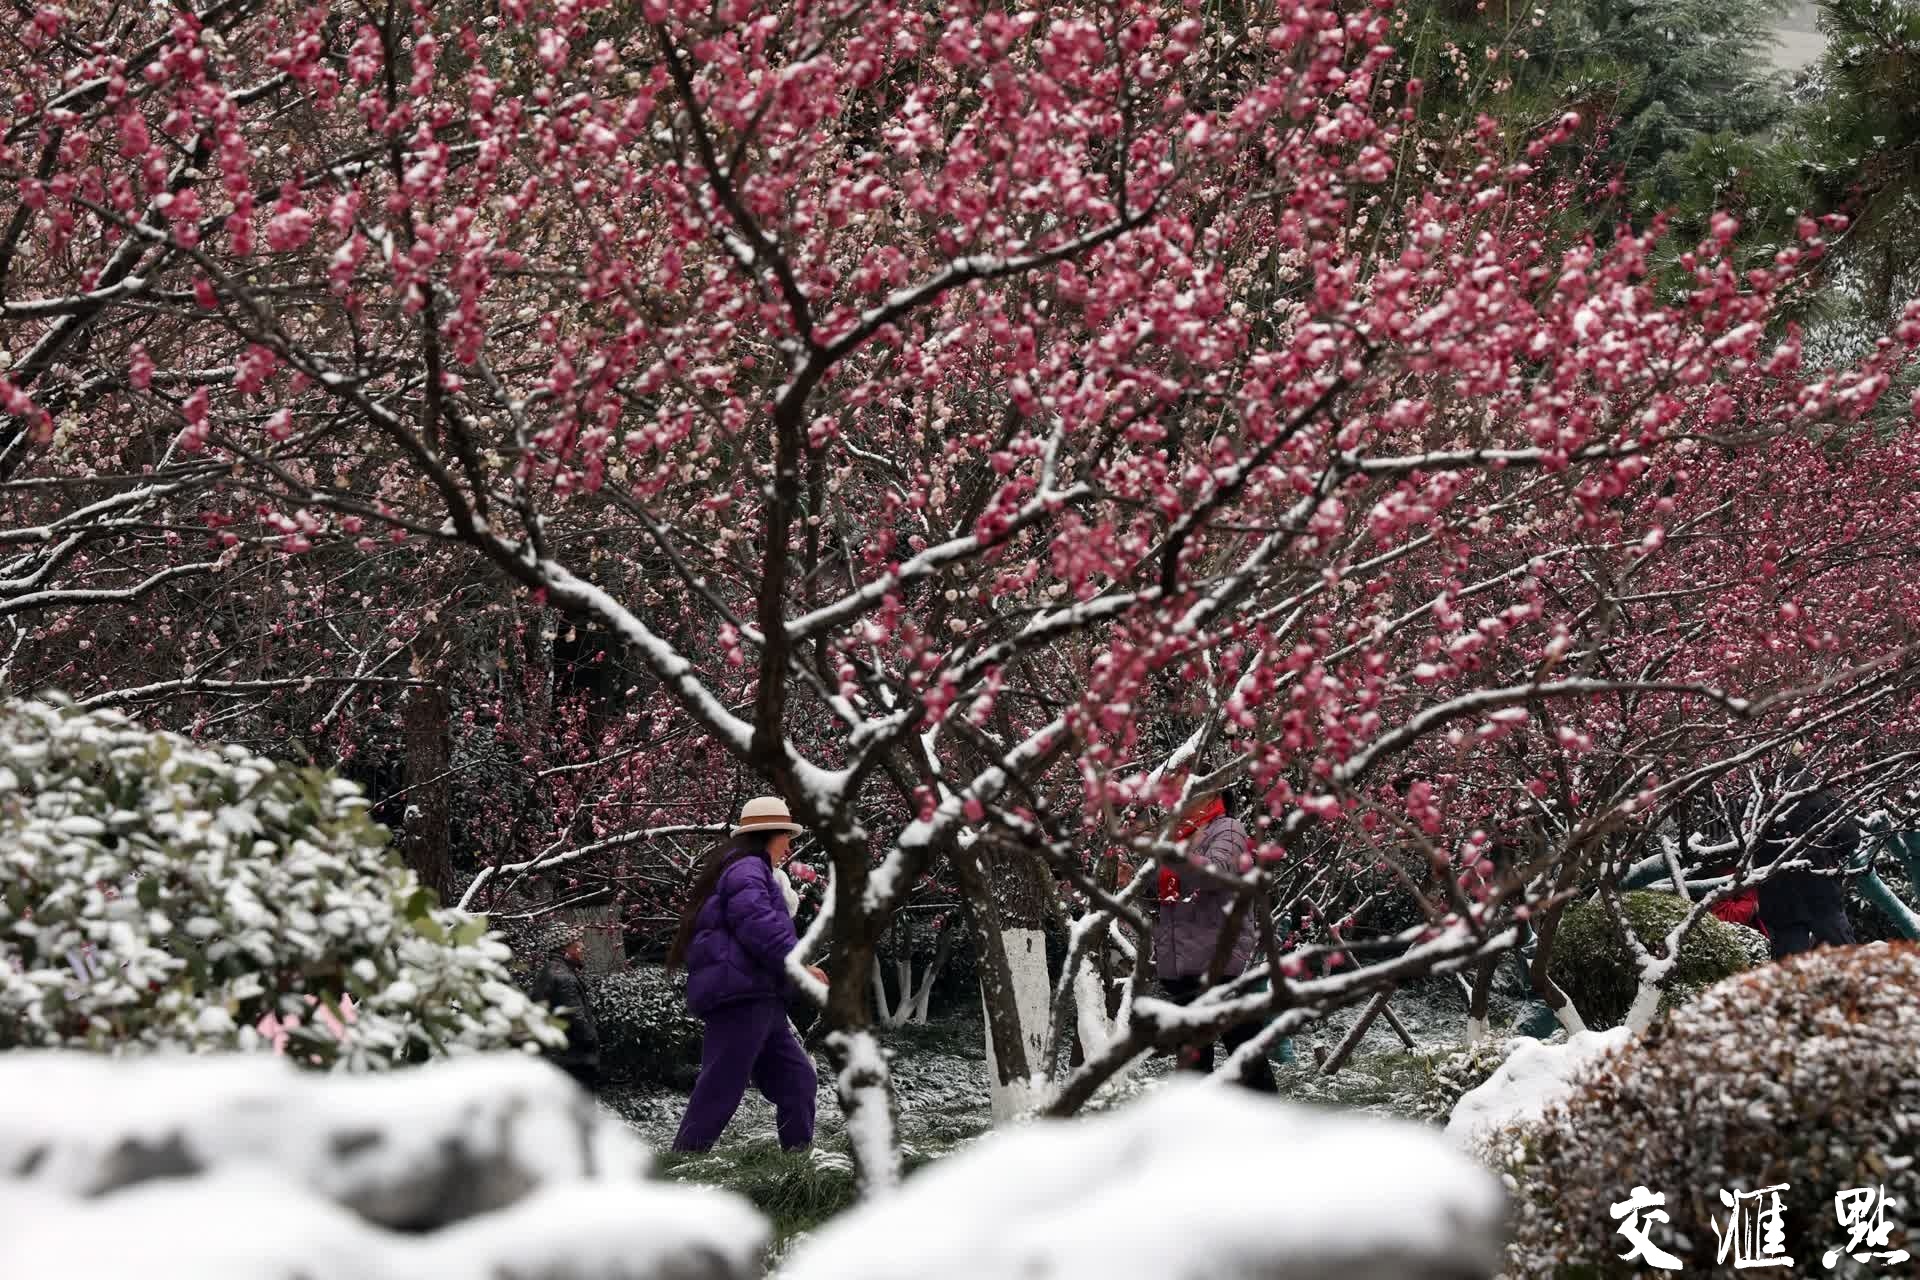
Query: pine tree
x=1661, y=76
x=1860, y=132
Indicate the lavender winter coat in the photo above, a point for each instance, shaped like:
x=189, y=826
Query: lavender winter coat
x=1185, y=930
x=741, y=937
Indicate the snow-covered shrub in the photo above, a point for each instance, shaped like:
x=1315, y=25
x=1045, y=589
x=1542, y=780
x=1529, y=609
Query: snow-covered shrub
x=237, y=1167
x=1193, y=1182
x=1800, y=1073
x=1535, y=1075
x=1453, y=1075
x=647, y=1036
x=1594, y=966
x=1754, y=943
x=156, y=891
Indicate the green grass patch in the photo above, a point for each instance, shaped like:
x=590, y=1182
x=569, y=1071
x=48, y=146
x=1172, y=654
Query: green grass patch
x=958, y=1038
x=1380, y=1083
x=797, y=1191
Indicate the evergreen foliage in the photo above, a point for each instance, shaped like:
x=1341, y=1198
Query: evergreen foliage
x=647, y=1036
x=1594, y=966
x=156, y=891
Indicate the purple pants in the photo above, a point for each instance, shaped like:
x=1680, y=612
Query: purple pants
x=750, y=1042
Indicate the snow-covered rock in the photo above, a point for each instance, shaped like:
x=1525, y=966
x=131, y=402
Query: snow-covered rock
x=1196, y=1182
x=494, y=1167
x=1535, y=1075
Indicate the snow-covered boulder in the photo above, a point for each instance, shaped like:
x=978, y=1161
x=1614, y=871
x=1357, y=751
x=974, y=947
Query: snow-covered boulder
x=1535, y=1076
x=1195, y=1182
x=494, y=1167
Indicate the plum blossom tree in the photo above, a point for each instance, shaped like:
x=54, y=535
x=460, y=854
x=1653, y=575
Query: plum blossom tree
x=991, y=429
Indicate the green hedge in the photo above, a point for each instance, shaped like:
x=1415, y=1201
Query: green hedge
x=647, y=1036
x=1594, y=966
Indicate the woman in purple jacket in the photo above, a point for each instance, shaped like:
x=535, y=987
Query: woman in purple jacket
x=734, y=942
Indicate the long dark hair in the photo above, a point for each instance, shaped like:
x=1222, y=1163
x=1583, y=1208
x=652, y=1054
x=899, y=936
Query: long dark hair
x=751, y=844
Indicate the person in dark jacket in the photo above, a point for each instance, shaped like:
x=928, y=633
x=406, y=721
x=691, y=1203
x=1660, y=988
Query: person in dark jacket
x=734, y=942
x=559, y=986
x=1804, y=908
x=1187, y=923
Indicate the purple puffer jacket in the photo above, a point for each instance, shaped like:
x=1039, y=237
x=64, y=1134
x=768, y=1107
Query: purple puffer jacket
x=741, y=937
x=1186, y=930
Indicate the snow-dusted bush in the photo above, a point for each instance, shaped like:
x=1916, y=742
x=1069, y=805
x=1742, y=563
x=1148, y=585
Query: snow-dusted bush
x=1194, y=1182
x=647, y=1036
x=1450, y=1076
x=237, y=1167
x=1534, y=1076
x=156, y=891
x=1753, y=943
x=1594, y=966
x=1803, y=1073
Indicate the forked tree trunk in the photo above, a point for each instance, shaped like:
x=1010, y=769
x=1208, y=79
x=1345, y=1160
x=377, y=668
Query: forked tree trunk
x=910, y=1000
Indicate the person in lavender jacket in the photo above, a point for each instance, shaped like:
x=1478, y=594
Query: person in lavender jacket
x=734, y=941
x=1188, y=919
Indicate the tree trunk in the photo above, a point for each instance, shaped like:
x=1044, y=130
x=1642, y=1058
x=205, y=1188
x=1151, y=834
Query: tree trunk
x=1543, y=985
x=1480, y=1000
x=1876, y=891
x=862, y=1081
x=883, y=1012
x=1355, y=1034
x=427, y=781
x=1026, y=951
x=1009, y=1063
x=1906, y=846
x=533, y=695
x=1095, y=1004
x=923, y=995
x=1646, y=1003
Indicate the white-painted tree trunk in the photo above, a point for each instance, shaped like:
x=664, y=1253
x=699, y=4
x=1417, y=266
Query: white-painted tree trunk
x=1477, y=1031
x=910, y=1003
x=917, y=1012
x=1090, y=1009
x=1653, y=982
x=1646, y=1003
x=1027, y=965
x=1569, y=1017
x=884, y=1012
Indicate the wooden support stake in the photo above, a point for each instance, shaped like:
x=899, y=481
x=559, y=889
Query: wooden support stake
x=1352, y=1042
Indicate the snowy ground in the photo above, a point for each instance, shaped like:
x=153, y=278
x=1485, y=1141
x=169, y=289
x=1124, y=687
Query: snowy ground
x=940, y=1079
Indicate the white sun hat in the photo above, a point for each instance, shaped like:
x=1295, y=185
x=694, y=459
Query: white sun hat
x=766, y=813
